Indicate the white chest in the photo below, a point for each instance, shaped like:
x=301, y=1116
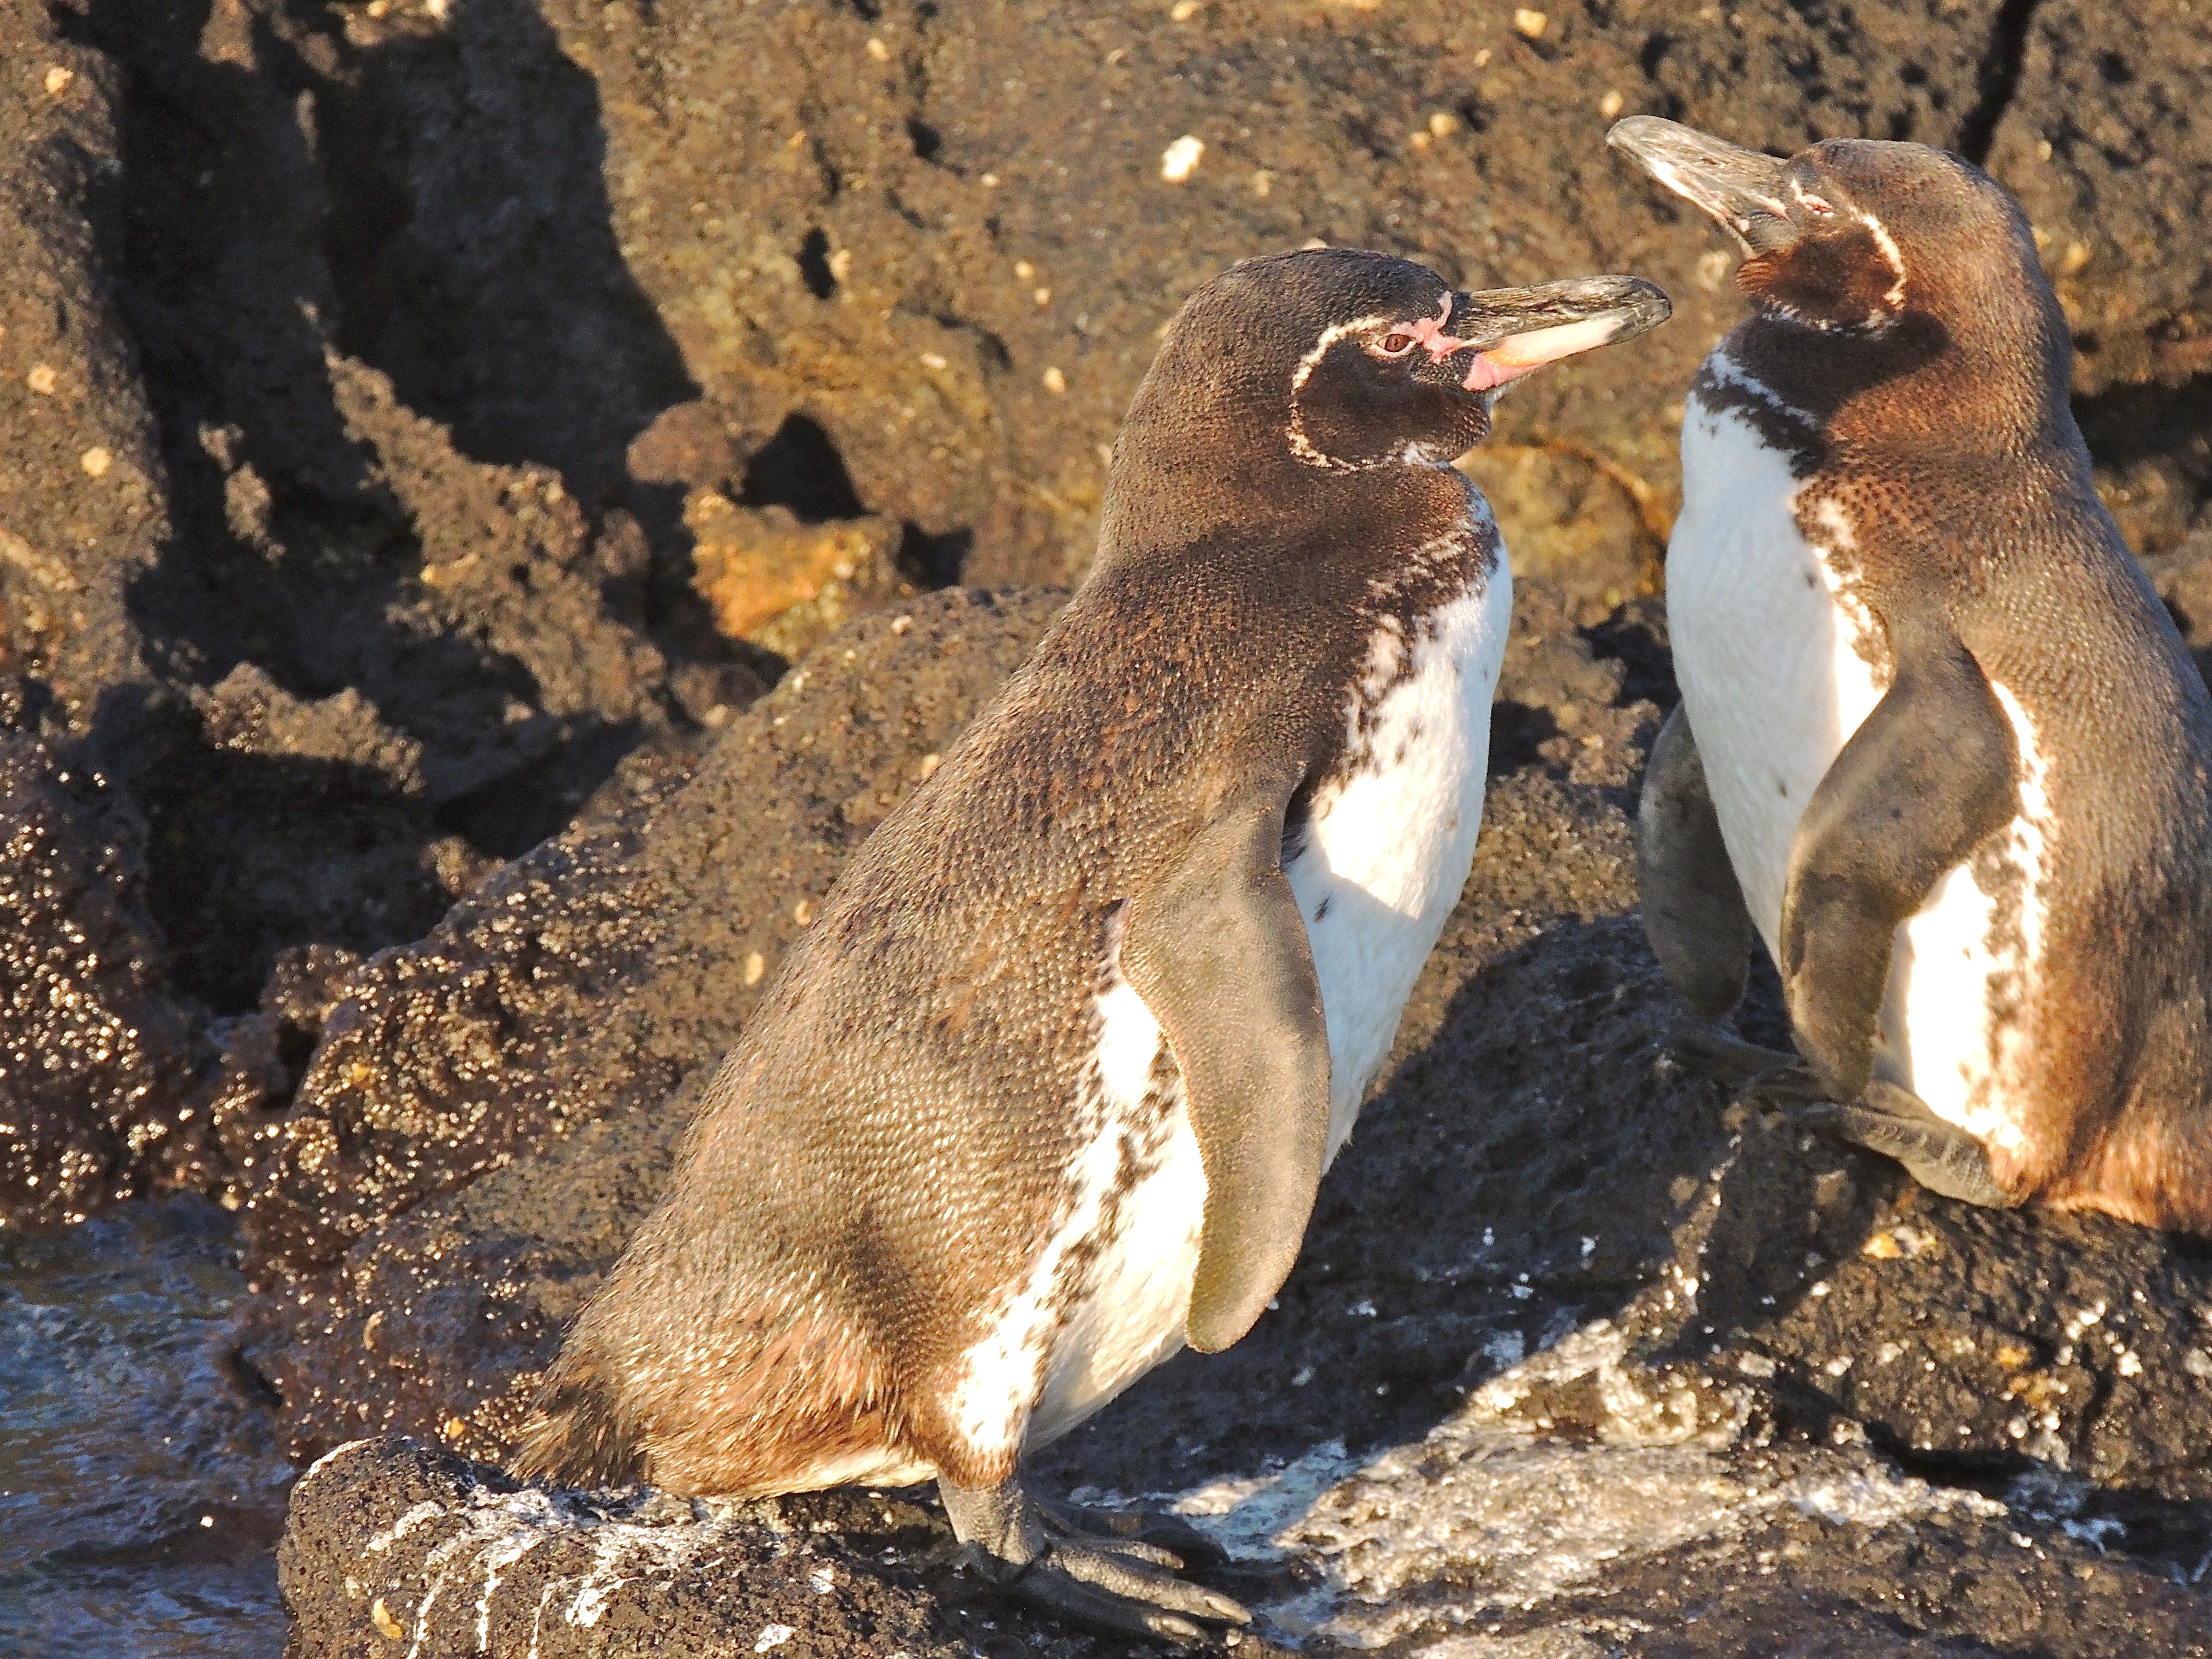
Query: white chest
x=1776, y=660
x=1768, y=647
x=1387, y=849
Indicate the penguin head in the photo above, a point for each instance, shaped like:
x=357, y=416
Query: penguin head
x=1358, y=361
x=1852, y=235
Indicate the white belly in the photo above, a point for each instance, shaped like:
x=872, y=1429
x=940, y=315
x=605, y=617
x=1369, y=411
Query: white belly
x=1767, y=650
x=1384, y=857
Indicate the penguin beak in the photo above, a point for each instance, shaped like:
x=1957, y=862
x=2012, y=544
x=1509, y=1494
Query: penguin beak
x=1514, y=330
x=1741, y=189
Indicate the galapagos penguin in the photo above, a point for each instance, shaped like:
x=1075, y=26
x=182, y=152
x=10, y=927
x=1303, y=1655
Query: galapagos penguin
x=1939, y=743
x=1047, y=1090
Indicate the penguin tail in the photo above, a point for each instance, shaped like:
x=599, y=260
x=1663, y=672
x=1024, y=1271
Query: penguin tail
x=579, y=1436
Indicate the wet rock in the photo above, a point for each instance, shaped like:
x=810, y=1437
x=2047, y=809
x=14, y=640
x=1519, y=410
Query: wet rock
x=441, y=1322
x=1552, y=1274
x=391, y=1542
x=1483, y=1537
x=97, y=1060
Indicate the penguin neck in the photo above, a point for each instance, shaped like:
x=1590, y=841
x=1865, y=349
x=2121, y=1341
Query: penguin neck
x=1162, y=503
x=1976, y=392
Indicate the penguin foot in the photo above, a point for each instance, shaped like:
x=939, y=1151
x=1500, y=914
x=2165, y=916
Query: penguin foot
x=1155, y=1528
x=1707, y=1052
x=1122, y=1585
x=1896, y=1123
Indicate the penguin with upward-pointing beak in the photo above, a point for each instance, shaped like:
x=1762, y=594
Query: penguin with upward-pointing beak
x=1938, y=742
x=1046, y=1091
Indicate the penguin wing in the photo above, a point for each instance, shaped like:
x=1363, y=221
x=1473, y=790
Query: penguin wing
x=1693, y=908
x=1932, y=770
x=1219, y=952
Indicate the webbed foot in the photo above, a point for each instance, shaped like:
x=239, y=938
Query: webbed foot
x=1710, y=1052
x=1896, y=1123
x=1114, y=1579
x=1156, y=1527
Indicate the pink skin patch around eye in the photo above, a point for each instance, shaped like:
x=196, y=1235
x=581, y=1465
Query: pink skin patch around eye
x=1430, y=332
x=1515, y=356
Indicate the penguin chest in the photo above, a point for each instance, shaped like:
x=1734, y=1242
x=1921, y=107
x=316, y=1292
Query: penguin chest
x=1776, y=658
x=1390, y=837
x=1779, y=663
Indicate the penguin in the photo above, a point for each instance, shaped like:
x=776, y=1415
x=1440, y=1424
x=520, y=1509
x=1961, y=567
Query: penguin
x=1046, y=1092
x=1940, y=745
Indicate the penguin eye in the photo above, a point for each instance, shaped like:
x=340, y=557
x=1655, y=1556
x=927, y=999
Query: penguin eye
x=1396, y=343
x=1817, y=205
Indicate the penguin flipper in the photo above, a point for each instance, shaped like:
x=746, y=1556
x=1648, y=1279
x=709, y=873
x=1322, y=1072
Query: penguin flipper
x=1693, y=908
x=1930, y=772
x=1219, y=952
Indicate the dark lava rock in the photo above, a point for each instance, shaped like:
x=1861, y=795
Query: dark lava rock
x=393, y=1543
x=581, y=982
x=365, y=373
x=955, y=243
x=1553, y=1276
x=369, y=372
x=2104, y=139
x=83, y=509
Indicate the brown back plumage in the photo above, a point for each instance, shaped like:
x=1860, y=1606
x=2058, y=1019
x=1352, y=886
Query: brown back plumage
x=891, y=1138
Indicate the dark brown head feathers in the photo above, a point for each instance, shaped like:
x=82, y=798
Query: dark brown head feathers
x=1286, y=376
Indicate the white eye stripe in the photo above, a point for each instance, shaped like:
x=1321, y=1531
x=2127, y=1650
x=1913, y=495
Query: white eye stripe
x=1812, y=202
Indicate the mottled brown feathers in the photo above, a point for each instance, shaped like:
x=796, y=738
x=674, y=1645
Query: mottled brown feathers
x=876, y=1170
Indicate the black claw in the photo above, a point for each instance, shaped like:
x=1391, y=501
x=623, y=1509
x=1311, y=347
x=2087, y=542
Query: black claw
x=1708, y=1053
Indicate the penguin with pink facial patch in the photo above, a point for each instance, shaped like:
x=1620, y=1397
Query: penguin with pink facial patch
x=1046, y=1093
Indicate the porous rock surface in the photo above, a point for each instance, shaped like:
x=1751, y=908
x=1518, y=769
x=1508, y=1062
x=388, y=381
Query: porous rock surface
x=395, y=397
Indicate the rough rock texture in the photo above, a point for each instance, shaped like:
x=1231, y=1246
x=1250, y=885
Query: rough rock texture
x=581, y=982
x=402, y=403
x=2104, y=144
x=1483, y=1542
x=393, y=398
x=95, y=1066
x=1552, y=1275
x=588, y=977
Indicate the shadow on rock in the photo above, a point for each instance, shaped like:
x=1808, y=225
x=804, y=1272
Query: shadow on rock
x=333, y=239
